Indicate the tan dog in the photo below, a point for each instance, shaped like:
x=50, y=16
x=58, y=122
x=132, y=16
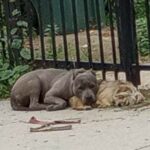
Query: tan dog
x=118, y=93
x=112, y=93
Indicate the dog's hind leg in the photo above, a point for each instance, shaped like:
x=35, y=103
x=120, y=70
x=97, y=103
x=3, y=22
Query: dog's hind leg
x=16, y=105
x=55, y=103
x=34, y=103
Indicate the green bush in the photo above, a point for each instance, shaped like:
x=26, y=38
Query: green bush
x=142, y=29
x=140, y=8
x=142, y=36
x=9, y=76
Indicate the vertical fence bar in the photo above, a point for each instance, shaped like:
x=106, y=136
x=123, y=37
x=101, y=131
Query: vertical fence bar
x=136, y=70
x=127, y=39
x=118, y=22
x=112, y=35
x=30, y=27
x=3, y=45
x=2, y=32
x=88, y=32
x=19, y=35
x=53, y=33
x=98, y=16
x=8, y=29
x=124, y=36
x=64, y=31
x=148, y=20
x=76, y=32
x=41, y=31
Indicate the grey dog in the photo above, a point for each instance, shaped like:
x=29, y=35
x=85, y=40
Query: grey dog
x=49, y=89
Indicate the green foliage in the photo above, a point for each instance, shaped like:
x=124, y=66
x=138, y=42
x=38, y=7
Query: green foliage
x=48, y=29
x=141, y=24
x=25, y=53
x=140, y=8
x=9, y=76
x=142, y=29
x=18, y=34
x=108, y=4
x=16, y=43
x=22, y=23
x=16, y=12
x=142, y=36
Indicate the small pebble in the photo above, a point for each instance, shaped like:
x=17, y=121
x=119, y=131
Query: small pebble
x=45, y=141
x=71, y=135
x=98, y=131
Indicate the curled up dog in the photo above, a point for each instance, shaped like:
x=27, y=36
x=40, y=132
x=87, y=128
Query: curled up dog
x=118, y=93
x=50, y=89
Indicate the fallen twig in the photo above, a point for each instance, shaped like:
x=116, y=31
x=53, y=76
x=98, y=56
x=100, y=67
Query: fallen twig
x=34, y=120
x=62, y=128
x=112, y=119
x=143, y=147
x=45, y=124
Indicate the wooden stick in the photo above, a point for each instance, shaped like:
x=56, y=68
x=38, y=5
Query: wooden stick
x=34, y=120
x=67, y=122
x=62, y=128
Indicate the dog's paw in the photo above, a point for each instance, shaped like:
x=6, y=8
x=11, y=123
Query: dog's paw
x=53, y=107
x=87, y=108
x=82, y=108
x=120, y=103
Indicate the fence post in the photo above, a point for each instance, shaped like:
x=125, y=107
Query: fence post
x=127, y=40
x=3, y=44
x=6, y=14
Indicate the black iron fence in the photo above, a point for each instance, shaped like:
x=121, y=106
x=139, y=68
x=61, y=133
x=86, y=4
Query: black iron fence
x=73, y=34
x=2, y=41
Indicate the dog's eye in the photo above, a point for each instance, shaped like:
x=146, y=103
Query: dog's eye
x=80, y=87
x=92, y=86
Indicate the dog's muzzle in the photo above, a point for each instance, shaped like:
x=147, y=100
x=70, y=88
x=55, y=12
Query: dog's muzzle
x=89, y=99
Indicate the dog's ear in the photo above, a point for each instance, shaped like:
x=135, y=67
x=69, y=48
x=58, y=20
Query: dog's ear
x=92, y=72
x=99, y=81
x=77, y=71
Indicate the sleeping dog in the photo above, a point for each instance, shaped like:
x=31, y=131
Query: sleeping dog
x=50, y=89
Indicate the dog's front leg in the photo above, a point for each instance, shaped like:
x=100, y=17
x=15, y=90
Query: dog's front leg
x=54, y=103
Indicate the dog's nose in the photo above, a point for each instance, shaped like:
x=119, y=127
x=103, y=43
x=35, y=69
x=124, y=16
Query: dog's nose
x=89, y=98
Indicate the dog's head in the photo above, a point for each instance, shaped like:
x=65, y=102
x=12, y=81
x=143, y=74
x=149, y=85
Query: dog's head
x=85, y=85
x=127, y=94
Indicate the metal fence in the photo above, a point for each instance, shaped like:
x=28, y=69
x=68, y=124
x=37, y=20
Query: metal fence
x=108, y=44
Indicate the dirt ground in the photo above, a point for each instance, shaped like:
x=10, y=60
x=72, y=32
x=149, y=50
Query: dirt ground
x=108, y=129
